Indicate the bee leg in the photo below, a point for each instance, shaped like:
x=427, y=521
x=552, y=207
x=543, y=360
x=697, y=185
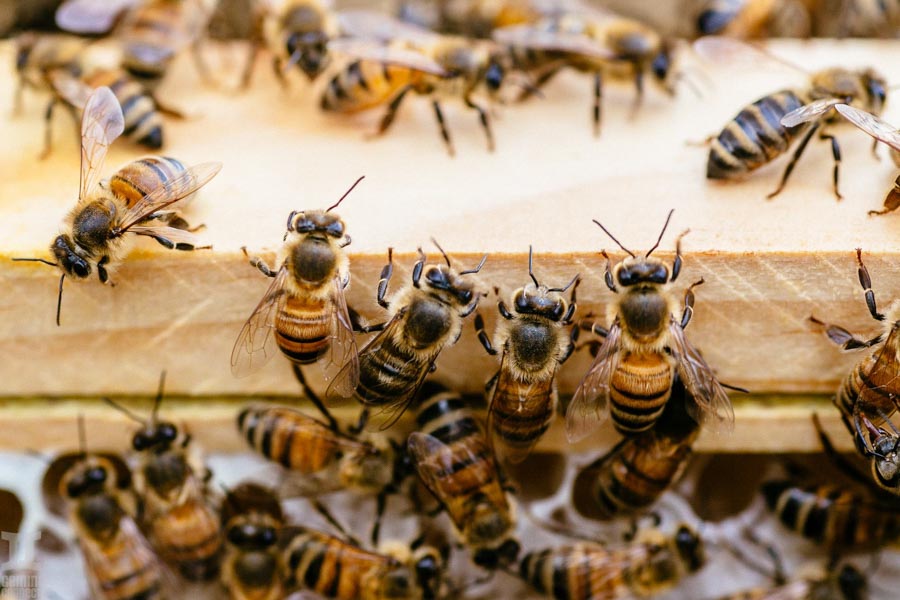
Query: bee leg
x=607, y=275
x=866, y=282
x=485, y=124
x=361, y=422
x=837, y=458
x=358, y=324
x=388, y=119
x=570, y=346
x=790, y=167
x=259, y=264
x=676, y=265
x=385, y=279
x=492, y=381
x=844, y=338
x=483, y=336
x=891, y=201
x=326, y=514
x=598, y=101
x=417, y=269
x=278, y=67
x=102, y=273
x=689, y=303
x=836, y=153
x=314, y=398
x=639, y=91
x=48, y=130
x=439, y=115
x=380, y=505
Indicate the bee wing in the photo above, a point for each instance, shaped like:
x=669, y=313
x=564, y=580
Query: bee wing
x=343, y=386
x=590, y=404
x=392, y=55
x=101, y=123
x=729, y=51
x=255, y=344
x=344, y=352
x=809, y=112
x=874, y=126
x=709, y=397
x=368, y=24
x=165, y=195
x=170, y=237
x=529, y=36
x=886, y=370
x=90, y=16
x=72, y=90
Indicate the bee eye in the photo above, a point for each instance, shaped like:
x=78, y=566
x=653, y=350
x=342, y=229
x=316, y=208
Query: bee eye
x=141, y=441
x=435, y=276
x=267, y=536
x=486, y=558
x=627, y=277
x=660, y=275
x=96, y=475
x=520, y=301
x=236, y=535
x=335, y=229
x=166, y=432
x=661, y=65
x=494, y=76
x=304, y=225
x=77, y=265
x=465, y=296
x=75, y=487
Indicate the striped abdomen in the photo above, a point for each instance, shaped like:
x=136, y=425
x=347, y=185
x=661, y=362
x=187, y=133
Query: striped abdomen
x=868, y=390
x=364, y=84
x=154, y=33
x=639, y=390
x=138, y=178
x=520, y=413
x=189, y=536
x=388, y=372
x=755, y=137
x=289, y=438
x=577, y=572
x=303, y=329
x=834, y=517
x=143, y=124
x=125, y=567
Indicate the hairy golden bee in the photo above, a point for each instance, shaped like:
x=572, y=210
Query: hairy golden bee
x=754, y=18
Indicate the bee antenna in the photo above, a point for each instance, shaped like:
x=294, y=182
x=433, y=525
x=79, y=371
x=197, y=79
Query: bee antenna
x=444, y=254
x=613, y=238
x=40, y=260
x=82, y=436
x=125, y=411
x=159, y=396
x=661, y=233
x=530, y=271
x=567, y=286
x=477, y=267
x=347, y=193
x=59, y=298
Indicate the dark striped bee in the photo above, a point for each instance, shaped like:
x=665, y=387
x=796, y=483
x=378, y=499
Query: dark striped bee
x=769, y=127
x=534, y=344
x=170, y=482
x=632, y=374
x=253, y=568
x=846, y=584
x=137, y=198
x=304, y=312
x=455, y=462
x=652, y=563
x=754, y=18
x=632, y=476
x=425, y=317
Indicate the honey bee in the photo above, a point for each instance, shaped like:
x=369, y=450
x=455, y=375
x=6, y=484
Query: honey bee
x=632, y=374
x=336, y=568
x=423, y=320
x=474, y=18
x=118, y=559
x=38, y=55
x=769, y=127
x=455, y=462
x=304, y=312
x=867, y=396
x=652, y=563
x=138, y=194
x=252, y=568
x=598, y=42
x=857, y=18
x=634, y=474
x=389, y=59
x=170, y=481
x=755, y=18
x=846, y=584
x=534, y=345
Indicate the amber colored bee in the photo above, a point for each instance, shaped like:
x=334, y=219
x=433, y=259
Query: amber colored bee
x=389, y=59
x=336, y=568
x=137, y=199
x=425, y=317
x=603, y=44
x=633, y=475
x=455, y=462
x=652, y=563
x=769, y=127
x=252, y=568
x=534, y=345
x=846, y=584
x=170, y=482
x=755, y=18
x=632, y=374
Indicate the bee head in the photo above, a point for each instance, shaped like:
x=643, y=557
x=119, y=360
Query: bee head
x=155, y=436
x=876, y=86
x=314, y=222
x=500, y=557
x=309, y=51
x=641, y=271
x=539, y=301
x=249, y=535
x=74, y=265
x=428, y=565
x=690, y=547
x=445, y=279
x=852, y=583
x=86, y=477
x=887, y=461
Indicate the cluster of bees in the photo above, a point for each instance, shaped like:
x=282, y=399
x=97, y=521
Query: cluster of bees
x=646, y=378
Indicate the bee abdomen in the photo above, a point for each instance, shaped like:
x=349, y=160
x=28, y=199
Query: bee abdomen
x=328, y=566
x=143, y=124
x=639, y=390
x=141, y=581
x=189, y=536
x=754, y=137
x=140, y=177
x=387, y=373
x=363, y=84
x=277, y=434
x=623, y=486
x=521, y=416
x=570, y=573
x=303, y=330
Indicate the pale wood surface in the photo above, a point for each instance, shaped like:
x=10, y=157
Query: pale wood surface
x=768, y=265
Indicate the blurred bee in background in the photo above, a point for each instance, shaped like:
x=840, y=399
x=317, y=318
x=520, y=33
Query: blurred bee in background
x=455, y=462
x=856, y=18
x=598, y=42
x=252, y=520
x=633, y=372
x=389, y=58
x=138, y=195
x=755, y=18
x=769, y=127
x=424, y=319
x=523, y=395
x=474, y=18
x=175, y=506
x=39, y=55
x=651, y=564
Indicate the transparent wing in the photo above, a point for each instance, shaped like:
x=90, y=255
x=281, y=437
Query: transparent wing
x=590, y=404
x=343, y=352
x=256, y=344
x=101, y=123
x=391, y=55
x=885, y=373
x=170, y=237
x=165, y=195
x=733, y=52
x=809, y=112
x=367, y=24
x=90, y=16
x=711, y=405
x=343, y=386
x=72, y=90
x=540, y=39
x=874, y=126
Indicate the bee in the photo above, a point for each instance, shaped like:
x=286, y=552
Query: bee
x=118, y=559
x=336, y=568
x=473, y=18
x=304, y=312
x=857, y=18
x=389, y=59
x=847, y=584
x=38, y=55
x=136, y=196
x=632, y=374
x=882, y=132
x=867, y=396
x=252, y=520
x=769, y=127
x=634, y=474
x=652, y=563
x=755, y=18
x=598, y=42
x=170, y=481
x=524, y=398
x=455, y=462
